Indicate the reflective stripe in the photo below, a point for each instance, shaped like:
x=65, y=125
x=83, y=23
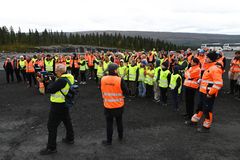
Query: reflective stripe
x=113, y=100
x=190, y=81
x=218, y=82
x=57, y=96
x=112, y=94
x=207, y=81
x=216, y=87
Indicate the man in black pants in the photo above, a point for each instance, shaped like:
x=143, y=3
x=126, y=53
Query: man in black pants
x=59, y=112
x=113, y=88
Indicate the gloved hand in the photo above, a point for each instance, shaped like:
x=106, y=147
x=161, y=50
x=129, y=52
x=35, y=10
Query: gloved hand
x=199, y=81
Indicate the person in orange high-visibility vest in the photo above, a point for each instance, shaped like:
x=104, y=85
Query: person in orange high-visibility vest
x=30, y=72
x=113, y=89
x=211, y=83
x=192, y=75
x=234, y=73
x=75, y=65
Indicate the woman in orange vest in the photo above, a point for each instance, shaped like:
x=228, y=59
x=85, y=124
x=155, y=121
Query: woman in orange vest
x=30, y=72
x=113, y=89
x=234, y=73
x=75, y=65
x=192, y=75
x=210, y=85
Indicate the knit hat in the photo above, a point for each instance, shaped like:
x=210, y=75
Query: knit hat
x=196, y=60
x=212, y=56
x=112, y=67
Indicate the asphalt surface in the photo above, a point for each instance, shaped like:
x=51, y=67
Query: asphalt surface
x=151, y=131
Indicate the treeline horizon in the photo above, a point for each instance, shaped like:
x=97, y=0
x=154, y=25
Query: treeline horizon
x=21, y=41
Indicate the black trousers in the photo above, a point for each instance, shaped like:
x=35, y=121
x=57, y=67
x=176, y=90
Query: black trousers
x=205, y=105
x=149, y=91
x=83, y=76
x=110, y=114
x=91, y=72
x=58, y=113
x=132, y=88
x=31, y=76
x=23, y=72
x=163, y=94
x=190, y=97
x=8, y=74
x=75, y=73
x=17, y=73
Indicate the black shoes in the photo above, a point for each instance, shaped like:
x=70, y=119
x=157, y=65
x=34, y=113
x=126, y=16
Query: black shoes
x=106, y=143
x=66, y=141
x=203, y=130
x=190, y=123
x=47, y=151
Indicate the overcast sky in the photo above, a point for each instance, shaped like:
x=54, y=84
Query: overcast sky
x=200, y=16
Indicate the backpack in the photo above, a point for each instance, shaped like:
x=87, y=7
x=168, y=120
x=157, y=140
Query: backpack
x=69, y=97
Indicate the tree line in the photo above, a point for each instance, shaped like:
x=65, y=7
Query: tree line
x=8, y=37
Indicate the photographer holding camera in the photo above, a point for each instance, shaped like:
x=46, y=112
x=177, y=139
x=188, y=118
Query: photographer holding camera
x=59, y=112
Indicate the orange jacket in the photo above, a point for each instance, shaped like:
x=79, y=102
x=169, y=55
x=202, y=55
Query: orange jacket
x=189, y=58
x=75, y=62
x=30, y=67
x=202, y=62
x=235, y=66
x=192, y=75
x=212, y=80
x=111, y=92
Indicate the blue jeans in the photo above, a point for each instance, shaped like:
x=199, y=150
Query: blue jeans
x=141, y=89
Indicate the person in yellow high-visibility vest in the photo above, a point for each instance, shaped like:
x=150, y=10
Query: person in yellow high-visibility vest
x=132, y=78
x=176, y=86
x=59, y=112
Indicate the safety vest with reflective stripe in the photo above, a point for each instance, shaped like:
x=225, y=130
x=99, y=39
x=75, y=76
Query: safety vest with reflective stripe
x=68, y=63
x=122, y=72
x=148, y=78
x=212, y=80
x=181, y=62
x=132, y=73
x=83, y=67
x=141, y=75
x=111, y=92
x=202, y=61
x=49, y=65
x=163, y=80
x=173, y=82
x=192, y=75
x=105, y=65
x=58, y=97
x=30, y=67
x=22, y=63
x=235, y=66
x=96, y=64
x=156, y=73
x=99, y=71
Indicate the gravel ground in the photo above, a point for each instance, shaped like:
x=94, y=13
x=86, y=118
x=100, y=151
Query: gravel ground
x=151, y=131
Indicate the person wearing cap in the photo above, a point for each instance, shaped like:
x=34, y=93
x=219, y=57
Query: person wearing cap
x=113, y=90
x=201, y=56
x=175, y=86
x=8, y=67
x=210, y=85
x=192, y=75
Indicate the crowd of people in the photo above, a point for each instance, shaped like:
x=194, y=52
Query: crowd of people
x=151, y=75
x=154, y=75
